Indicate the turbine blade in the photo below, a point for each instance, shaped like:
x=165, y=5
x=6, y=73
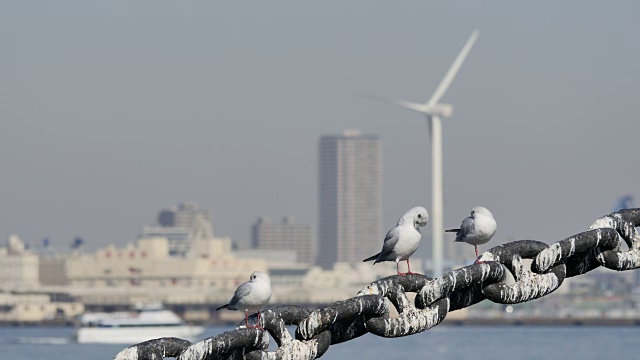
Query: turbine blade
x=453, y=70
x=402, y=103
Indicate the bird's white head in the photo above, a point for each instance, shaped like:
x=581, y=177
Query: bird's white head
x=418, y=216
x=481, y=210
x=259, y=276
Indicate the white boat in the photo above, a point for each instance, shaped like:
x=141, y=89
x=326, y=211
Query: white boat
x=146, y=323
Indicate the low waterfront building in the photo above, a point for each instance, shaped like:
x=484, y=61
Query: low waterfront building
x=149, y=264
x=36, y=308
x=18, y=266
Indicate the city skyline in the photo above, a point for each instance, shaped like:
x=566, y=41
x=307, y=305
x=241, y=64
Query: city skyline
x=101, y=125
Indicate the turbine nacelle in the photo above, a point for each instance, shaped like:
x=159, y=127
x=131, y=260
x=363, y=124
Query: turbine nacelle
x=443, y=110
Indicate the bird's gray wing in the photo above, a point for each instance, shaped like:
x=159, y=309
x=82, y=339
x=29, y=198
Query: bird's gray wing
x=390, y=242
x=465, y=229
x=242, y=291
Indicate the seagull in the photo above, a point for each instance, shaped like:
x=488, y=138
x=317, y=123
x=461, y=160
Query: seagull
x=403, y=240
x=476, y=229
x=252, y=295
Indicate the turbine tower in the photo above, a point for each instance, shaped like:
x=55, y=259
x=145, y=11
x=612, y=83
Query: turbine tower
x=433, y=110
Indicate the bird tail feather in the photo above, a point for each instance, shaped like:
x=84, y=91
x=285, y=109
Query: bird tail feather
x=455, y=231
x=374, y=257
x=222, y=307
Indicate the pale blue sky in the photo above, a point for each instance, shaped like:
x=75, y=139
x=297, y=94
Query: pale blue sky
x=110, y=111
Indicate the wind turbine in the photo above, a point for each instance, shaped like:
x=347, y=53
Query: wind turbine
x=433, y=110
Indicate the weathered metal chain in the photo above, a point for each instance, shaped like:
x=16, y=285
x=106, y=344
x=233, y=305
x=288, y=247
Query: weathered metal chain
x=368, y=312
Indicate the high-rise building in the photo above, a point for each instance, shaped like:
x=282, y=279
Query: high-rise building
x=182, y=227
x=286, y=235
x=350, y=191
x=186, y=215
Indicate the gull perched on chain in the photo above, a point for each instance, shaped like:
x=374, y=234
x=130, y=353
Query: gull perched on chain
x=403, y=240
x=476, y=229
x=251, y=296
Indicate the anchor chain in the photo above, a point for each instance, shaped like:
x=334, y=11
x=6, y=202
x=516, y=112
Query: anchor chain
x=368, y=312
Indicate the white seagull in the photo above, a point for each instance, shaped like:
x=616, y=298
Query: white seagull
x=403, y=240
x=476, y=229
x=251, y=296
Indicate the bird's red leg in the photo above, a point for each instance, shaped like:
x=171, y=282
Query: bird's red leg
x=258, y=323
x=409, y=267
x=246, y=319
x=477, y=262
x=398, y=269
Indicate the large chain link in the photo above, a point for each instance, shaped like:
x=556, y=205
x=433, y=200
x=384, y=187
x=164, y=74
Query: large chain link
x=368, y=312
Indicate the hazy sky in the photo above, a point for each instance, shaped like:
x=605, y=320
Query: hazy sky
x=112, y=110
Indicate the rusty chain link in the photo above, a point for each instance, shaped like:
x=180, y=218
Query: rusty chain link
x=368, y=312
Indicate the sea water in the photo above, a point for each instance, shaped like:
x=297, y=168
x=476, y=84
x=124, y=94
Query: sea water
x=441, y=342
